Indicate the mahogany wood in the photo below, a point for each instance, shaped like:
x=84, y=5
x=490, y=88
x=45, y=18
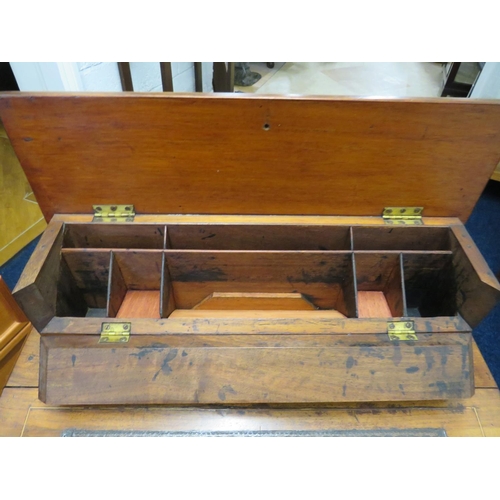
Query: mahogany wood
x=373, y=305
x=140, y=304
x=215, y=162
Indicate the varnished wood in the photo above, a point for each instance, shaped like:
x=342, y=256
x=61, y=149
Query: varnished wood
x=401, y=238
x=454, y=420
x=117, y=288
x=317, y=324
x=21, y=412
x=257, y=369
x=273, y=220
x=451, y=145
x=14, y=328
x=373, y=305
x=140, y=304
x=257, y=237
x=257, y=301
x=104, y=235
x=25, y=373
x=317, y=275
x=256, y=314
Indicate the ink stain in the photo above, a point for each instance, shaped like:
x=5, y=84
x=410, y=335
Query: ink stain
x=412, y=369
x=226, y=389
x=73, y=359
x=350, y=362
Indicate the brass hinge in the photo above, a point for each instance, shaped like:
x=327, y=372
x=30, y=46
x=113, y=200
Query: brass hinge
x=403, y=215
x=401, y=330
x=115, y=332
x=113, y=213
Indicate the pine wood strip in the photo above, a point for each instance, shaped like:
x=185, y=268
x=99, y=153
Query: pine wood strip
x=266, y=315
x=369, y=138
x=255, y=301
x=309, y=220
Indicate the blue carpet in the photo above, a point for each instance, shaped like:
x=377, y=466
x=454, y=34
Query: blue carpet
x=12, y=269
x=484, y=227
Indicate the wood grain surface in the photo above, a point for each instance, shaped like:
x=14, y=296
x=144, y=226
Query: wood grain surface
x=235, y=369
x=22, y=413
x=287, y=155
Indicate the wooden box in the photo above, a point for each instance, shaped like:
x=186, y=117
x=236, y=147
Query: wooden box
x=243, y=257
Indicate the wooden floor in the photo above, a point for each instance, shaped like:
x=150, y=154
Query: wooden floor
x=22, y=414
x=20, y=217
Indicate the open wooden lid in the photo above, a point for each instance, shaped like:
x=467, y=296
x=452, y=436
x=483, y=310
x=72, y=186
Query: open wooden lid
x=247, y=154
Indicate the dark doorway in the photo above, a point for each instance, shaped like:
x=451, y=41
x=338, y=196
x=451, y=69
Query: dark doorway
x=7, y=78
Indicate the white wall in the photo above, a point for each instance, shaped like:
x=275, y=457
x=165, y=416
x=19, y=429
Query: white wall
x=104, y=76
x=488, y=83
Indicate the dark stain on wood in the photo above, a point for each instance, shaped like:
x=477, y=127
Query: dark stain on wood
x=73, y=359
x=371, y=351
x=429, y=359
x=397, y=357
x=201, y=275
x=350, y=362
x=412, y=369
x=226, y=389
x=165, y=367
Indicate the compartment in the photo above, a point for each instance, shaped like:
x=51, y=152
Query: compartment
x=239, y=280
x=416, y=238
x=114, y=236
x=430, y=285
x=103, y=283
x=82, y=287
x=380, y=292
x=258, y=237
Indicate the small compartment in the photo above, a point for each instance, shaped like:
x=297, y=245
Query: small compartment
x=379, y=285
x=415, y=238
x=243, y=280
x=258, y=237
x=114, y=236
x=134, y=285
x=103, y=283
x=430, y=285
x=82, y=287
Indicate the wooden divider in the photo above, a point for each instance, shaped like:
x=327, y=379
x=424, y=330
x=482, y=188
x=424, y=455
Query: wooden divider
x=359, y=271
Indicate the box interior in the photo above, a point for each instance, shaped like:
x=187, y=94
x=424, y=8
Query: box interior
x=154, y=271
